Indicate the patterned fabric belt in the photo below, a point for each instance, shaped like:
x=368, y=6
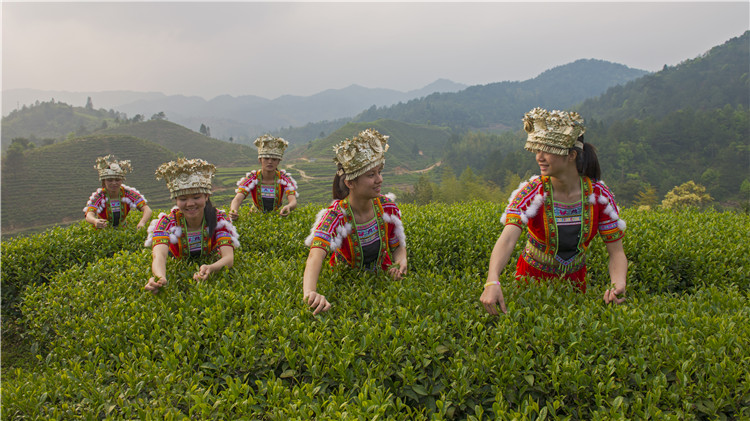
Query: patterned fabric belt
x=550, y=263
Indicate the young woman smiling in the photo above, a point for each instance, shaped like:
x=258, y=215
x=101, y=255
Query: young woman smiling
x=564, y=209
x=362, y=228
x=193, y=227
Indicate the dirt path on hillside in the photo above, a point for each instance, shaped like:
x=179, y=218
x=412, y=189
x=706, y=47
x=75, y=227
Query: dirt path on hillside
x=303, y=174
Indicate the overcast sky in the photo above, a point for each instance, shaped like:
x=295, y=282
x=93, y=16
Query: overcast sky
x=276, y=48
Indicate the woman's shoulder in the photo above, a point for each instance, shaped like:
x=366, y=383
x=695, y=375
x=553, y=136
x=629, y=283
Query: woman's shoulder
x=286, y=179
x=97, y=194
x=388, y=202
x=221, y=215
x=600, y=189
x=527, y=189
x=249, y=176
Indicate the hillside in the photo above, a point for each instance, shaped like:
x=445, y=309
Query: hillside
x=717, y=78
x=687, y=122
x=500, y=106
x=412, y=148
x=189, y=144
x=48, y=122
x=51, y=184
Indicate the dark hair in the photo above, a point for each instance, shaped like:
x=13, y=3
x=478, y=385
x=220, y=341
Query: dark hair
x=340, y=190
x=209, y=213
x=587, y=162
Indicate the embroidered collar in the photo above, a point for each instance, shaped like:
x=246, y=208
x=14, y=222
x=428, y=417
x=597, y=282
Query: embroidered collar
x=184, y=243
x=550, y=223
x=108, y=207
x=354, y=241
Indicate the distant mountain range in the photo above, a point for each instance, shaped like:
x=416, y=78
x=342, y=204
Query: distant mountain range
x=242, y=118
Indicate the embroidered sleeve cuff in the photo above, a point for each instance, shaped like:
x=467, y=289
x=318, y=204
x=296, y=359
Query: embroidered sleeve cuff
x=159, y=239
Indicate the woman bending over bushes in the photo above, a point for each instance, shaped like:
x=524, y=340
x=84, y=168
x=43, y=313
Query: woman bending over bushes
x=194, y=227
x=362, y=228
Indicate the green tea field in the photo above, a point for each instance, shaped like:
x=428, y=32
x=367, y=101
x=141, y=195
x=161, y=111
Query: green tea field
x=82, y=339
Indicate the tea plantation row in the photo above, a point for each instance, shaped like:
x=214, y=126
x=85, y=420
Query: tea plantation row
x=242, y=345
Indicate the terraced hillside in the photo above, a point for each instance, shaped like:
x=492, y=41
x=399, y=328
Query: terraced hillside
x=189, y=144
x=51, y=184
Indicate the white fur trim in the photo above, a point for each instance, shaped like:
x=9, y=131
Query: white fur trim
x=151, y=228
x=536, y=203
x=233, y=234
x=318, y=217
x=342, y=232
x=391, y=196
x=399, y=227
x=622, y=224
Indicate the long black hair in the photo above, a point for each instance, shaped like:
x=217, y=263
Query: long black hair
x=587, y=161
x=209, y=214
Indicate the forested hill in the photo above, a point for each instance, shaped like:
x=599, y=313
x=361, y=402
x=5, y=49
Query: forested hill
x=717, y=78
x=499, y=106
x=48, y=122
x=690, y=122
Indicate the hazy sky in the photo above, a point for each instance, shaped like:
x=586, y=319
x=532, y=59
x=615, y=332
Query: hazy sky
x=276, y=48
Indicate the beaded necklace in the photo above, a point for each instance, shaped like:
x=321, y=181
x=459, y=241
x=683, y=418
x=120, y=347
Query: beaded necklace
x=550, y=224
x=184, y=245
x=259, y=197
x=356, y=246
x=108, y=207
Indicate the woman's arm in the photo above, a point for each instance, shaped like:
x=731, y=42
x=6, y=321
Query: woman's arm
x=234, y=207
x=618, y=272
x=292, y=199
x=145, y=218
x=493, y=292
x=158, y=268
x=94, y=220
x=226, y=260
x=399, y=258
x=310, y=296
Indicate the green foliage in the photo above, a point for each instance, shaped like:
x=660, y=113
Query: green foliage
x=687, y=194
x=242, y=345
x=36, y=259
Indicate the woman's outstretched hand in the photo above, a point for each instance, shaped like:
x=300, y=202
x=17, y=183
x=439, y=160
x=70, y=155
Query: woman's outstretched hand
x=491, y=296
x=611, y=295
x=398, y=270
x=203, y=273
x=317, y=302
x=154, y=284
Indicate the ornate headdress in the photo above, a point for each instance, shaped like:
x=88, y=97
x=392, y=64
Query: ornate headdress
x=109, y=167
x=554, y=132
x=186, y=176
x=361, y=153
x=271, y=146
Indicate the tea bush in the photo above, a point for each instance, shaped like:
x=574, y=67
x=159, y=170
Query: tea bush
x=242, y=344
x=35, y=259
